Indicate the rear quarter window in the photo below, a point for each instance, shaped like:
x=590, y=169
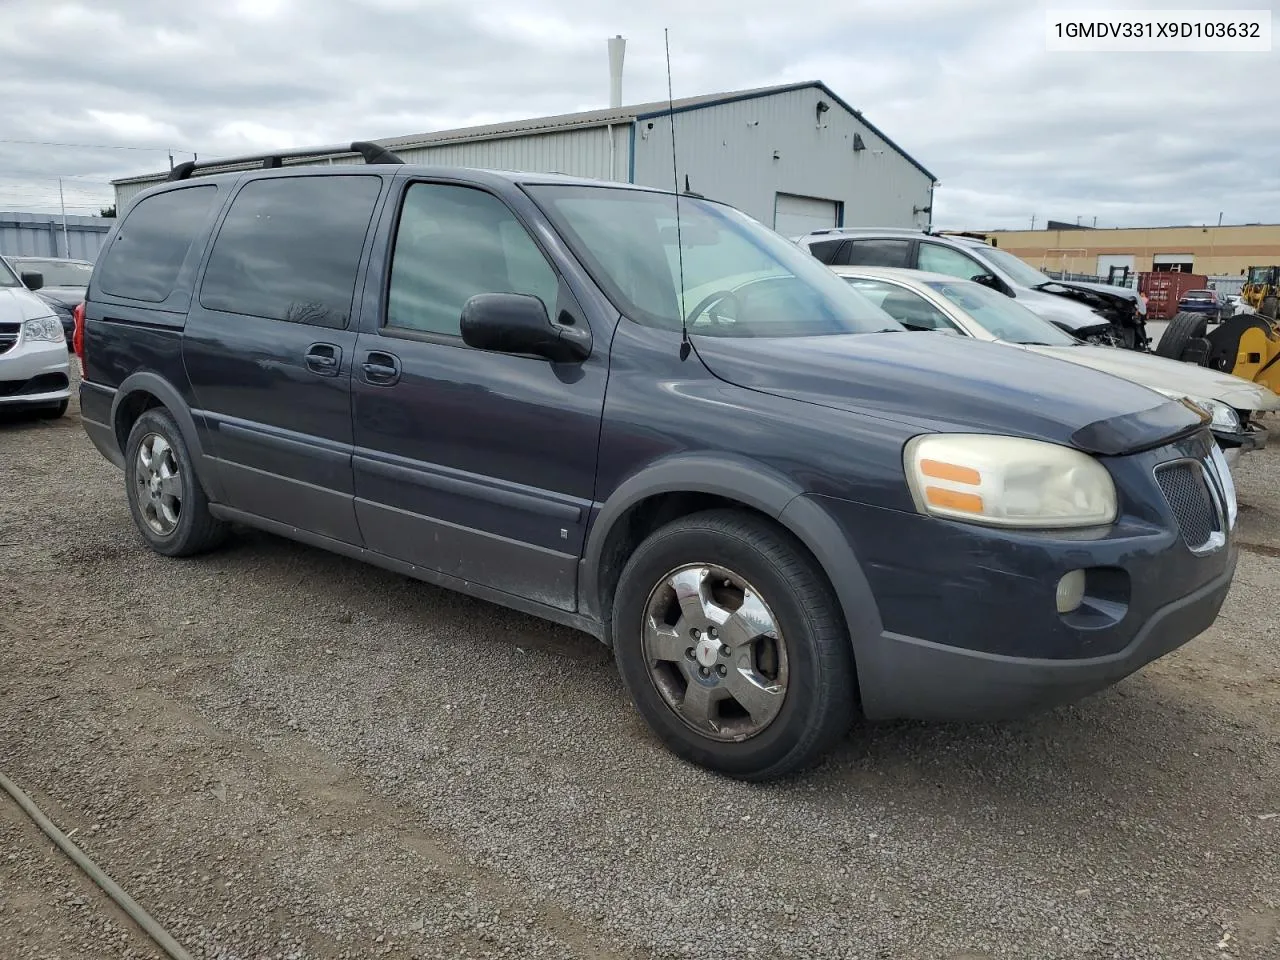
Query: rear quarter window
x=147, y=253
x=290, y=247
x=876, y=253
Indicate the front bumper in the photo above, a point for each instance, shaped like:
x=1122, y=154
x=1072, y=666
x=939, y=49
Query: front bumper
x=931, y=681
x=1236, y=444
x=968, y=622
x=34, y=373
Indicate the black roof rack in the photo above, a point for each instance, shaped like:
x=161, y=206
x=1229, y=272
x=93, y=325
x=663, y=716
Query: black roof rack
x=372, y=153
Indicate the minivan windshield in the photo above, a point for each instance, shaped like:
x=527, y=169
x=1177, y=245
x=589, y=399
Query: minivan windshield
x=59, y=273
x=1003, y=318
x=740, y=279
x=7, y=277
x=1018, y=270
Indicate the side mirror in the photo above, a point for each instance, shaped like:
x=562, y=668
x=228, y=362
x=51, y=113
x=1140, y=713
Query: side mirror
x=33, y=281
x=518, y=323
x=988, y=280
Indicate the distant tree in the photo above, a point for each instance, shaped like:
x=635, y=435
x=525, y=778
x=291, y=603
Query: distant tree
x=108, y=211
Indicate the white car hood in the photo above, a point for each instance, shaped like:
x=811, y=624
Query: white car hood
x=1058, y=309
x=18, y=304
x=1160, y=373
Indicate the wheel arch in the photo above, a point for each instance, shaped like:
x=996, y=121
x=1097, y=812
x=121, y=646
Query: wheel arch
x=143, y=391
x=688, y=484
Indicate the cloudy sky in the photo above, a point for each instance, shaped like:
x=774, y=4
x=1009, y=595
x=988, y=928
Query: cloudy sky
x=92, y=91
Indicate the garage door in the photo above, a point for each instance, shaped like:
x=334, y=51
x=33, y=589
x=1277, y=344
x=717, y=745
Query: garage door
x=794, y=216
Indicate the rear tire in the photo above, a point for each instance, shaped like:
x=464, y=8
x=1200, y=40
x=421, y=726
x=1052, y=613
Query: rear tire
x=1270, y=308
x=762, y=622
x=168, y=503
x=1182, y=329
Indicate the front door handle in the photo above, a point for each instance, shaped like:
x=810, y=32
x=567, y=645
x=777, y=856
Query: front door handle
x=382, y=369
x=324, y=359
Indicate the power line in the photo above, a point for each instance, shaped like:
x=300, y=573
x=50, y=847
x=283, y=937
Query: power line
x=93, y=146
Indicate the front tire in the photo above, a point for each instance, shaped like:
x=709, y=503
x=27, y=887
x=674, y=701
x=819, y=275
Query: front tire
x=731, y=644
x=168, y=503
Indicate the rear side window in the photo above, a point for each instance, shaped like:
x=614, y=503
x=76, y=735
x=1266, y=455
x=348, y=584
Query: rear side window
x=289, y=249
x=146, y=255
x=826, y=250
x=876, y=253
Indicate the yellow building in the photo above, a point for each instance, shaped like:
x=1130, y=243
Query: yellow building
x=1216, y=251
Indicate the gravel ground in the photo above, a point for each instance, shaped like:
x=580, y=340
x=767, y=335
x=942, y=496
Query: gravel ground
x=285, y=754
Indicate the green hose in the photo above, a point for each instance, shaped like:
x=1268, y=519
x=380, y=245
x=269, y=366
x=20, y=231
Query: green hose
x=125, y=902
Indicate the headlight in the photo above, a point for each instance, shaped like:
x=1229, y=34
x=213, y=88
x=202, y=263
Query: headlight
x=1008, y=482
x=44, y=328
x=1223, y=416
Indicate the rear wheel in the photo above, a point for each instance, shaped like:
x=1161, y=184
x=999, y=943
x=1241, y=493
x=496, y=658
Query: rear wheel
x=732, y=646
x=168, y=504
x=1178, y=336
x=1270, y=308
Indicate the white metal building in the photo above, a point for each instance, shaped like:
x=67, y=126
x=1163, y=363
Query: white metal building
x=795, y=157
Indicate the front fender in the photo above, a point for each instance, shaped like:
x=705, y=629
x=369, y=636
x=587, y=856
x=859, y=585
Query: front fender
x=755, y=486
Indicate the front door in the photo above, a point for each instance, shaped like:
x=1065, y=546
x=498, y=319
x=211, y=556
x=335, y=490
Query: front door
x=474, y=464
x=270, y=343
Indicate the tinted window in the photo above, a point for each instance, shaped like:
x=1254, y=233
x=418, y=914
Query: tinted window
x=826, y=250
x=876, y=253
x=453, y=243
x=146, y=255
x=289, y=249
x=907, y=307
x=939, y=259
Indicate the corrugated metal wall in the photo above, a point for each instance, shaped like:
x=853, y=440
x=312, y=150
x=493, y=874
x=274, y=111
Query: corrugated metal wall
x=125, y=192
x=728, y=152
x=581, y=153
x=40, y=235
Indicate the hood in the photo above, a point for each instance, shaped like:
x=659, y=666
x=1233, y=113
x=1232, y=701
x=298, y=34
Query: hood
x=1103, y=289
x=1074, y=316
x=1175, y=376
x=954, y=385
x=19, y=303
x=67, y=297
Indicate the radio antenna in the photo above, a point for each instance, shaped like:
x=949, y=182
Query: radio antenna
x=685, y=347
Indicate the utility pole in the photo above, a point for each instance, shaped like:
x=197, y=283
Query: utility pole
x=65, y=243
x=1095, y=222
x=1219, y=218
x=1033, y=221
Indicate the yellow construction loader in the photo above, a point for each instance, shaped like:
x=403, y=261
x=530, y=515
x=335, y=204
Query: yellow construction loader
x=1261, y=290
x=1247, y=344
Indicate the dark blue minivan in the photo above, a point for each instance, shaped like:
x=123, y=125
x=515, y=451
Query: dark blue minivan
x=647, y=417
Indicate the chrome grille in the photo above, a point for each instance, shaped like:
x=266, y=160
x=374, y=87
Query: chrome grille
x=8, y=335
x=1194, y=506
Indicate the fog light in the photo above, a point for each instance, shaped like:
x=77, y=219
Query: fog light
x=1070, y=592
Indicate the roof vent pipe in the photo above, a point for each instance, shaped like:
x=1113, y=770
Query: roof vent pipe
x=617, y=50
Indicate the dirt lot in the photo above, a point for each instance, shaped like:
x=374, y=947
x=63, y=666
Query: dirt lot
x=282, y=753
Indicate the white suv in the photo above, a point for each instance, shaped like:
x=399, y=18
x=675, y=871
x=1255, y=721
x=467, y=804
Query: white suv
x=1095, y=312
x=33, y=349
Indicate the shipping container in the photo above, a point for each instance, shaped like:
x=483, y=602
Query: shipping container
x=1163, y=290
